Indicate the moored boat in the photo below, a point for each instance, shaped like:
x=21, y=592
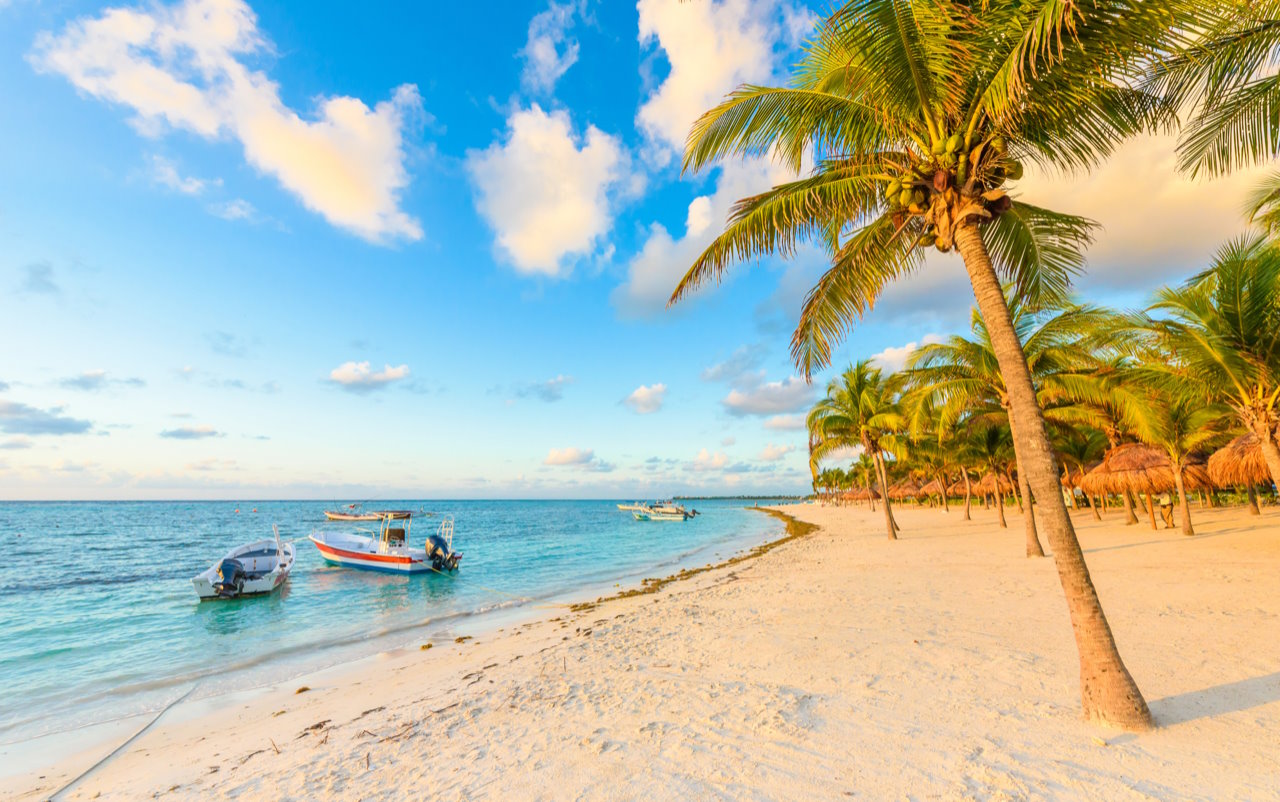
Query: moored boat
x=389, y=550
x=351, y=512
x=253, y=569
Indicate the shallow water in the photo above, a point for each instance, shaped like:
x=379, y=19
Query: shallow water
x=99, y=619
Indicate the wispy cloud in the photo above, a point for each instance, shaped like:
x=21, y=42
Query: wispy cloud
x=233, y=210
x=16, y=418
x=895, y=358
x=165, y=173
x=227, y=344
x=360, y=377
x=785, y=423
x=17, y=443
x=92, y=380
x=772, y=453
x=39, y=280
x=549, y=52
x=191, y=433
x=549, y=390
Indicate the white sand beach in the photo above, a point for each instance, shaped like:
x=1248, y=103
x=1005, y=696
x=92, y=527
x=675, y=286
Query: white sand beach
x=839, y=665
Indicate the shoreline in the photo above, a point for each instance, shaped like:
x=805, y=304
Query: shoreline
x=836, y=663
x=118, y=730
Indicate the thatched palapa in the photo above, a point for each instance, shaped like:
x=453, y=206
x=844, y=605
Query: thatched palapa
x=1140, y=469
x=987, y=485
x=1239, y=463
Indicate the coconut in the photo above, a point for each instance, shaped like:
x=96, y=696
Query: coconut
x=1013, y=170
x=905, y=197
x=998, y=145
x=953, y=143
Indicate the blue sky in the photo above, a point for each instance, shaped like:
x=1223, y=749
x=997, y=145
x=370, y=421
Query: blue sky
x=254, y=250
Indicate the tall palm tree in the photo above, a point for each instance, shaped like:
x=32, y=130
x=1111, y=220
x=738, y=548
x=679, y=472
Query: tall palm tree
x=962, y=374
x=1222, y=329
x=858, y=410
x=918, y=114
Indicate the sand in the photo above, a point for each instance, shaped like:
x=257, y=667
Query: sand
x=839, y=665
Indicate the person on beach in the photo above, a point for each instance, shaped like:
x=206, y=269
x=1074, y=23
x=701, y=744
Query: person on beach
x=1166, y=510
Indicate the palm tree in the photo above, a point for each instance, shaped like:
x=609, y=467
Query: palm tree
x=988, y=443
x=858, y=410
x=962, y=374
x=918, y=113
x=1180, y=423
x=1223, y=330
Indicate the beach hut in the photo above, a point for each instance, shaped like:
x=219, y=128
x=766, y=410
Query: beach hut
x=904, y=489
x=1240, y=464
x=1138, y=468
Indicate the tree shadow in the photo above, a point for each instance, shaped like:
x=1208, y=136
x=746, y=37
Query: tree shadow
x=1229, y=697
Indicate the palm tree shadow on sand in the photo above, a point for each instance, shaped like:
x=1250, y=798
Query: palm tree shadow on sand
x=1217, y=700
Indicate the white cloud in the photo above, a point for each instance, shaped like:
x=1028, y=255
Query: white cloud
x=707, y=461
x=770, y=398
x=1158, y=224
x=360, y=377
x=785, y=423
x=654, y=272
x=549, y=52
x=772, y=453
x=545, y=191
x=165, y=173
x=584, y=458
x=237, y=209
x=893, y=359
x=711, y=48
x=728, y=441
x=738, y=368
x=646, y=399
x=184, y=67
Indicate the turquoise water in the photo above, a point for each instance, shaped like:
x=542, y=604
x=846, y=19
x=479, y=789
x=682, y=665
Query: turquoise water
x=99, y=619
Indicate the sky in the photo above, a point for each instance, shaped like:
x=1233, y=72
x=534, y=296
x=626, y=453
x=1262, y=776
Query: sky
x=284, y=250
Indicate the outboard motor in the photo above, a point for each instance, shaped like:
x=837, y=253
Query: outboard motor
x=442, y=558
x=230, y=579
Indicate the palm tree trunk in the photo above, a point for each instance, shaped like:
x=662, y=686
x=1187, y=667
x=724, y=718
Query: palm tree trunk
x=1107, y=690
x=1034, y=549
x=1253, y=501
x=1017, y=496
x=1129, y=517
x=1093, y=500
x=884, y=497
x=1184, y=509
x=999, y=500
x=967, y=494
x=941, y=478
x=1151, y=509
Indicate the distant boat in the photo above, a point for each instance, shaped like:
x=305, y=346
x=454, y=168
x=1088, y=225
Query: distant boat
x=351, y=512
x=663, y=511
x=253, y=569
x=390, y=550
x=635, y=506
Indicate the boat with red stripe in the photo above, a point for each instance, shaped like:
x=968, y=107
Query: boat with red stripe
x=390, y=550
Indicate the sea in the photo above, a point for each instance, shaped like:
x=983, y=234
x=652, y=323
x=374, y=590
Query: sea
x=99, y=621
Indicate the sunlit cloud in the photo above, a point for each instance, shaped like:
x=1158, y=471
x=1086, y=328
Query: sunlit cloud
x=646, y=399
x=16, y=418
x=549, y=52
x=200, y=432
x=360, y=377
x=582, y=458
x=186, y=67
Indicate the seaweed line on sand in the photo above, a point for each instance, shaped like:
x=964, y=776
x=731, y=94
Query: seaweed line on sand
x=796, y=529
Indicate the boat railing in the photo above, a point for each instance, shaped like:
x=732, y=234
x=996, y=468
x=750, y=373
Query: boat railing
x=446, y=531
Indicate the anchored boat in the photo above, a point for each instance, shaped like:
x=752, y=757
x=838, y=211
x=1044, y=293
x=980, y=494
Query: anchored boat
x=390, y=550
x=351, y=512
x=250, y=570
x=663, y=511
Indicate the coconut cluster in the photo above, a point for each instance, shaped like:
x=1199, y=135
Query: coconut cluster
x=953, y=175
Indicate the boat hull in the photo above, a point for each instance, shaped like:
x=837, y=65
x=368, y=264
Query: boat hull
x=361, y=553
x=263, y=585
x=350, y=516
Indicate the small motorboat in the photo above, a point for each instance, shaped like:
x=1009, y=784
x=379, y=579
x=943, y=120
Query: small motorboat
x=351, y=512
x=635, y=506
x=253, y=569
x=664, y=511
x=389, y=550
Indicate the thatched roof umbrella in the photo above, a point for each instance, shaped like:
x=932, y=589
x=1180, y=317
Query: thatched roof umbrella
x=1239, y=463
x=1140, y=468
x=989, y=484
x=861, y=494
x=904, y=489
x=934, y=488
x=957, y=487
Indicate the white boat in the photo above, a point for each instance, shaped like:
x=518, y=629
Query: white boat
x=350, y=512
x=250, y=570
x=389, y=550
x=635, y=506
x=654, y=514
